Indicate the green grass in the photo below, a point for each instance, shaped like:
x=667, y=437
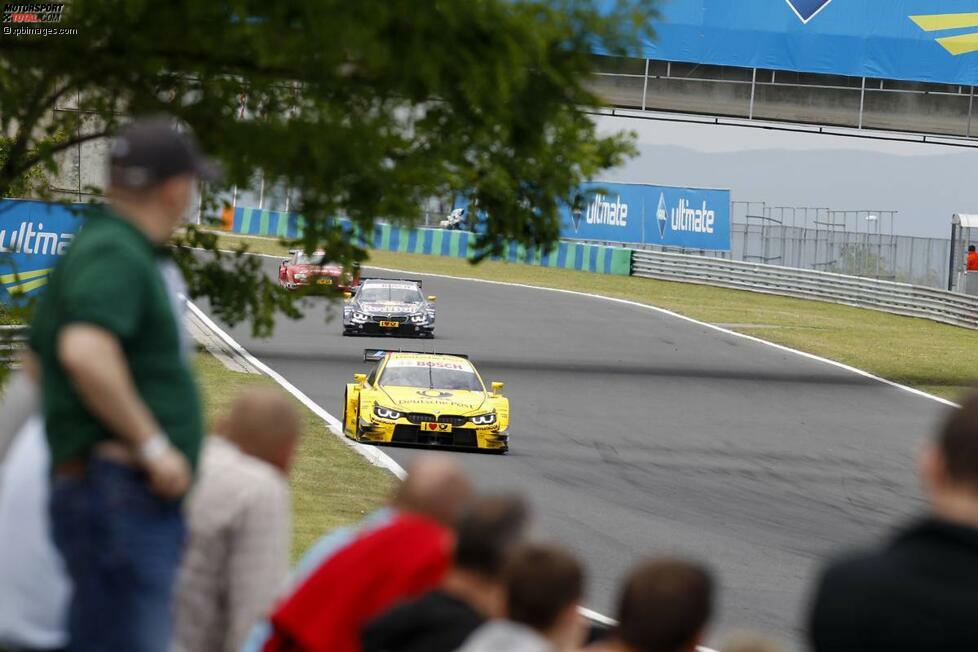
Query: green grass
x=933, y=357
x=331, y=484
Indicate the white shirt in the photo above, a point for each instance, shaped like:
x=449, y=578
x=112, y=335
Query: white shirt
x=506, y=636
x=237, y=554
x=34, y=587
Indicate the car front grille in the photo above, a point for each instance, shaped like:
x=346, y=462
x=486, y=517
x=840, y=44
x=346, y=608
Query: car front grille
x=454, y=419
x=399, y=320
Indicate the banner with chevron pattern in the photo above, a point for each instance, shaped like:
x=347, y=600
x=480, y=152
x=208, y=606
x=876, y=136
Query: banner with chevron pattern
x=908, y=40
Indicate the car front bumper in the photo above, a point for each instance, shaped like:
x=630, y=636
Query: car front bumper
x=405, y=329
x=404, y=432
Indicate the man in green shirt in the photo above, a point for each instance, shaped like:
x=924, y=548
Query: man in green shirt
x=122, y=411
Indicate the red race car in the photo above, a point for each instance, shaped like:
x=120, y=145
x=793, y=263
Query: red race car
x=304, y=270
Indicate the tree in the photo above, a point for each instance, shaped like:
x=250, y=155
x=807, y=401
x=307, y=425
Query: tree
x=363, y=108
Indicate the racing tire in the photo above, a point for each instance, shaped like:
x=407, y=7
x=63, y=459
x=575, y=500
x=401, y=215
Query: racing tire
x=345, y=396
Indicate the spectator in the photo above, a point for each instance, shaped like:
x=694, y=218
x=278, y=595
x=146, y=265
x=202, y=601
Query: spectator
x=121, y=409
x=972, y=265
x=664, y=606
x=238, y=516
x=34, y=588
x=472, y=591
x=543, y=590
x=918, y=592
x=351, y=575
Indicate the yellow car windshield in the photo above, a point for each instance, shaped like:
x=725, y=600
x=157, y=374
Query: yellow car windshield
x=431, y=377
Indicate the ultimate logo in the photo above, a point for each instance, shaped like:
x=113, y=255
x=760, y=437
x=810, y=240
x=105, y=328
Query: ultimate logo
x=33, y=12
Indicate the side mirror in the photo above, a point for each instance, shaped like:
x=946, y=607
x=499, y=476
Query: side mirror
x=360, y=379
x=497, y=387
x=347, y=295
x=432, y=298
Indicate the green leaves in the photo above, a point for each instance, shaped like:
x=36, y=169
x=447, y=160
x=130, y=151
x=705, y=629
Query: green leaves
x=364, y=109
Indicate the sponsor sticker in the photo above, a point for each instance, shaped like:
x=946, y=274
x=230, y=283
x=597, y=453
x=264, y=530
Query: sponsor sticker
x=433, y=364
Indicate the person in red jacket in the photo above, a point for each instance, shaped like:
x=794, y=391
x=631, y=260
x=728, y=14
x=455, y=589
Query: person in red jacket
x=404, y=557
x=972, y=259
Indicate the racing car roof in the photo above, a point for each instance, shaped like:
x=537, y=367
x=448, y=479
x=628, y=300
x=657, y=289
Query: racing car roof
x=374, y=355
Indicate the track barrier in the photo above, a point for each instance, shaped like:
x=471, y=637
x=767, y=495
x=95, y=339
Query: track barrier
x=600, y=259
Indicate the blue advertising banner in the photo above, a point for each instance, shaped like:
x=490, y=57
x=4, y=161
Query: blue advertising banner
x=911, y=40
x=32, y=236
x=690, y=218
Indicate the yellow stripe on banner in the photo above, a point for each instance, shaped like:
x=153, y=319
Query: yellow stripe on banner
x=27, y=287
x=962, y=44
x=24, y=276
x=937, y=22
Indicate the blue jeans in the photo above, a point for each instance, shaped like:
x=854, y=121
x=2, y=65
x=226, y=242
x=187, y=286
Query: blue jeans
x=121, y=545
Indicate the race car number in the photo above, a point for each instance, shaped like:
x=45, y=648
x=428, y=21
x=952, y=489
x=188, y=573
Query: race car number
x=389, y=324
x=325, y=281
x=431, y=426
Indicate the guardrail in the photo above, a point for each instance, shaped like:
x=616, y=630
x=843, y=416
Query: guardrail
x=12, y=340
x=898, y=298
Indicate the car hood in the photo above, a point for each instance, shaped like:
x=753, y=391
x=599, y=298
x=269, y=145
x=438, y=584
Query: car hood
x=439, y=401
x=392, y=307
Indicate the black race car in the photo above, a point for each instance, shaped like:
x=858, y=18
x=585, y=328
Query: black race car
x=385, y=306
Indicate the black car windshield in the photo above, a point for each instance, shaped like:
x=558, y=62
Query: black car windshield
x=434, y=375
x=390, y=292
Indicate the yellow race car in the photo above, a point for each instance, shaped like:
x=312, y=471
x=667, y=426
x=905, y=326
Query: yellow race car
x=421, y=398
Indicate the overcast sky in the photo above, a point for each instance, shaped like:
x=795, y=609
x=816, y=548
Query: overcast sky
x=925, y=183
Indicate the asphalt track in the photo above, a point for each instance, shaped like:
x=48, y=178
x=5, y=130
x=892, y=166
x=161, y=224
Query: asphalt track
x=636, y=433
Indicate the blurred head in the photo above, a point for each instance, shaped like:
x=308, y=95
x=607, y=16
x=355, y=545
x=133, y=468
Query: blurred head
x=488, y=532
x=153, y=173
x=264, y=423
x=435, y=486
x=544, y=585
x=949, y=465
x=971, y=247
x=664, y=606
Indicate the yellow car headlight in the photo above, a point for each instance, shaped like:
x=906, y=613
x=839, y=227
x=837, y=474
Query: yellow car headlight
x=386, y=413
x=484, y=419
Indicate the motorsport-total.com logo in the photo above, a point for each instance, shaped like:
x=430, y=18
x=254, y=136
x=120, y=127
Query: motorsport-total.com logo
x=683, y=217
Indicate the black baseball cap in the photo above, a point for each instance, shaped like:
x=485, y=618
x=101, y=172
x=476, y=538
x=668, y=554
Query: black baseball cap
x=148, y=151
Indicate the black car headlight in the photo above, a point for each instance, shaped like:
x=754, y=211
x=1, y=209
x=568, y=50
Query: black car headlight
x=360, y=317
x=386, y=413
x=484, y=419
x=419, y=319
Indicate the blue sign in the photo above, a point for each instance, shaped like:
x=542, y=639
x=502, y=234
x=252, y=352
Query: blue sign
x=32, y=236
x=912, y=40
x=690, y=218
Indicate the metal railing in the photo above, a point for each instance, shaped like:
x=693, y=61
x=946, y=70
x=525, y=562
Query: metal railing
x=887, y=296
x=12, y=341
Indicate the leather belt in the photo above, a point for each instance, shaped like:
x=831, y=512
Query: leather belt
x=106, y=450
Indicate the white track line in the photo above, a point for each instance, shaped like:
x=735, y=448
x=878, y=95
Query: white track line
x=374, y=455
x=676, y=315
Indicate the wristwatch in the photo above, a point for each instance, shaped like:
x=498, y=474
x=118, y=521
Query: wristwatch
x=153, y=447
